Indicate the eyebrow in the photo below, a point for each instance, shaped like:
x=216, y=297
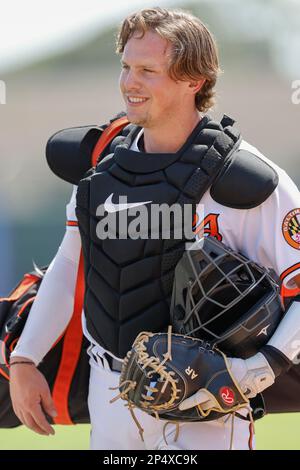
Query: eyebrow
x=150, y=66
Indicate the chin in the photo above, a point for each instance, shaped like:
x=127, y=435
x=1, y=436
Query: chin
x=137, y=120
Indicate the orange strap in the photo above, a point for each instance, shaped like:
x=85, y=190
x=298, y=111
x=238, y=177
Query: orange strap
x=107, y=136
x=28, y=281
x=70, y=354
x=73, y=336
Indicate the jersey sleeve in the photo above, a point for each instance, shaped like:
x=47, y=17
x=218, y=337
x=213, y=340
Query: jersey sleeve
x=279, y=230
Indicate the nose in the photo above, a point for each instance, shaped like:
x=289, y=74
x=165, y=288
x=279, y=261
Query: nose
x=129, y=80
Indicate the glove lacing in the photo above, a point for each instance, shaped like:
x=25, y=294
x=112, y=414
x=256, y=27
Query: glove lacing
x=158, y=367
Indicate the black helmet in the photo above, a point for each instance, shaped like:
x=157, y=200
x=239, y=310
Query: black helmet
x=224, y=298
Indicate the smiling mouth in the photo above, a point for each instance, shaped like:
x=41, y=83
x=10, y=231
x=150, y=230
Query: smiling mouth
x=134, y=100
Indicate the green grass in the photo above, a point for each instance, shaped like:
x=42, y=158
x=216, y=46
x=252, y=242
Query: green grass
x=278, y=432
x=65, y=438
x=281, y=432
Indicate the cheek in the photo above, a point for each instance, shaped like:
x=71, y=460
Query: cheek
x=121, y=81
x=168, y=95
x=163, y=91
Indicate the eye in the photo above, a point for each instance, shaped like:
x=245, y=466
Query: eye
x=148, y=70
x=125, y=67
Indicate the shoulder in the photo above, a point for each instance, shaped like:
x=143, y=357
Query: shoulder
x=246, y=180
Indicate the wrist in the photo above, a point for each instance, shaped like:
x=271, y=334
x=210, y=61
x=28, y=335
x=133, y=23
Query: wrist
x=277, y=360
x=259, y=375
x=16, y=356
x=20, y=360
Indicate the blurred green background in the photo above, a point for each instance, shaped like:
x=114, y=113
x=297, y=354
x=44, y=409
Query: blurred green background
x=280, y=432
x=259, y=43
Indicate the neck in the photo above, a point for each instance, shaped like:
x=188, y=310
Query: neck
x=169, y=138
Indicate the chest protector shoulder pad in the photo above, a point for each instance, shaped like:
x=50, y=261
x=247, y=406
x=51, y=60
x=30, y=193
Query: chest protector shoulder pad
x=69, y=151
x=245, y=181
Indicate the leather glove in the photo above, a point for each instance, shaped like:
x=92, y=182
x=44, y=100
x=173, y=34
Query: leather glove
x=253, y=375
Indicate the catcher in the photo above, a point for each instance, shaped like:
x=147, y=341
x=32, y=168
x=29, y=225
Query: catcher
x=170, y=153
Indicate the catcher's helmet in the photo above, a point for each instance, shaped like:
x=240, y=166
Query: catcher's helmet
x=221, y=296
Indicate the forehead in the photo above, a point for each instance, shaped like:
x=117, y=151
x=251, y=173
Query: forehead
x=150, y=48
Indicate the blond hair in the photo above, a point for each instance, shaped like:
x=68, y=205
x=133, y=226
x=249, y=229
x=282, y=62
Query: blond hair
x=194, y=51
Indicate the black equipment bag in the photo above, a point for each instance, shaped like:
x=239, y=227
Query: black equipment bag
x=65, y=367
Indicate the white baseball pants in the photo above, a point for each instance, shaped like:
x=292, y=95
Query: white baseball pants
x=114, y=429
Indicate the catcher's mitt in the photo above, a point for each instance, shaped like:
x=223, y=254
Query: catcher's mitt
x=163, y=369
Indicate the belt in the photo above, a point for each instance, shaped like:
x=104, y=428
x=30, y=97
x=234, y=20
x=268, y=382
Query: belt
x=114, y=364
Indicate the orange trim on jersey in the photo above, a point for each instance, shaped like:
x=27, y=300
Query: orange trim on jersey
x=70, y=353
x=285, y=291
x=27, y=282
x=107, y=136
x=72, y=223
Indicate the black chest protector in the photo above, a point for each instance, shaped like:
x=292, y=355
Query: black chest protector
x=129, y=281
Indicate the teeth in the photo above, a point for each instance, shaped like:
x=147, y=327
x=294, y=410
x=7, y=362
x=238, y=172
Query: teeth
x=136, y=100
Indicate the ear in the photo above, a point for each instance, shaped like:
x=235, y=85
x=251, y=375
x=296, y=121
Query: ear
x=197, y=85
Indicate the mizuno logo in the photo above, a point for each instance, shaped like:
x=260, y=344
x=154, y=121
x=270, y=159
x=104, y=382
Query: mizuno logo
x=264, y=330
x=111, y=208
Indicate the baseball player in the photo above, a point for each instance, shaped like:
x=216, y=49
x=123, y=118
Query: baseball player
x=172, y=152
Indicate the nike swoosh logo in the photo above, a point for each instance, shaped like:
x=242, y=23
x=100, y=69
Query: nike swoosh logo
x=110, y=207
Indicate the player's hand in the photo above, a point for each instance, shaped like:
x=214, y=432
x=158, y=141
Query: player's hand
x=252, y=375
x=31, y=397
